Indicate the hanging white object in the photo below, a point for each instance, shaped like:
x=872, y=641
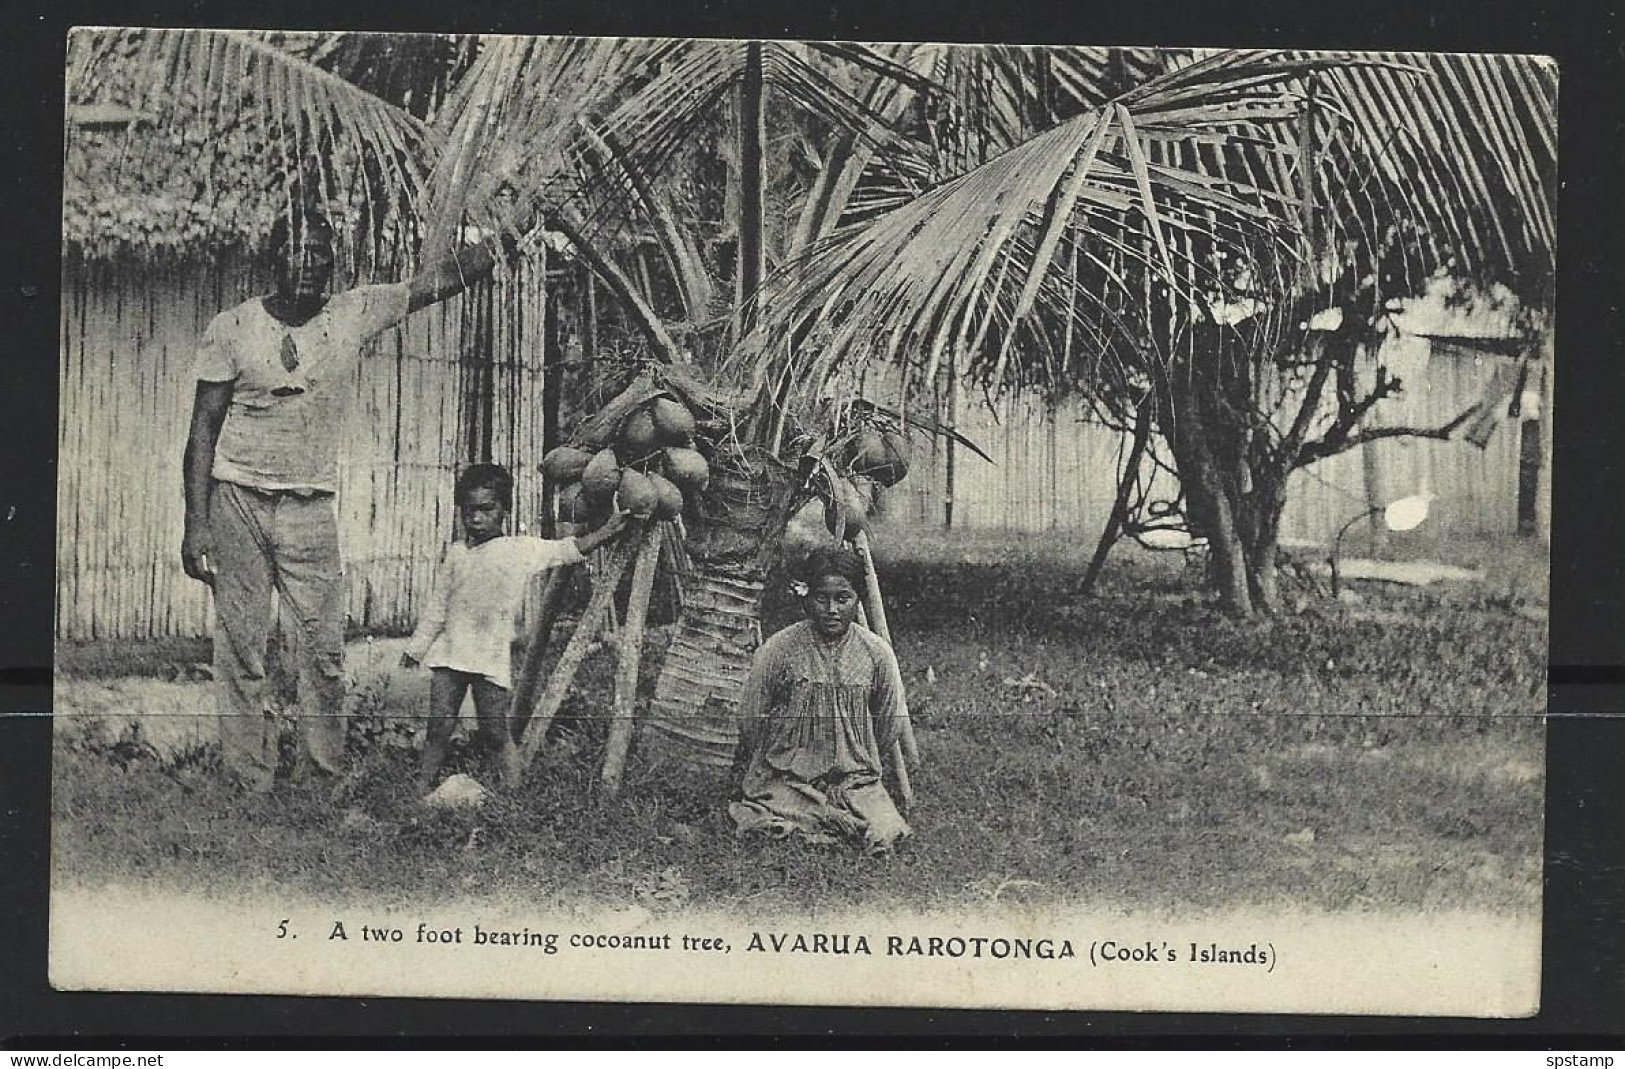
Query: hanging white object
x=1165, y=538
x=1406, y=514
x=1327, y=319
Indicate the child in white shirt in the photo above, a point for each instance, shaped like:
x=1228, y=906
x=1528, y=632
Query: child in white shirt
x=466, y=633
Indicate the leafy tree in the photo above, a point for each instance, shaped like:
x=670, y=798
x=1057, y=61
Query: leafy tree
x=1058, y=220
x=1304, y=183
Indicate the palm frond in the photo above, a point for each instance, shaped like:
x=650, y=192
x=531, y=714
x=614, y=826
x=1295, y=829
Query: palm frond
x=657, y=119
x=511, y=128
x=849, y=156
x=1470, y=142
x=677, y=243
x=970, y=257
x=327, y=137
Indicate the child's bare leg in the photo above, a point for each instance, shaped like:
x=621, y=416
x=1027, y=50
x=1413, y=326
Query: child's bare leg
x=446, y=690
x=491, y=705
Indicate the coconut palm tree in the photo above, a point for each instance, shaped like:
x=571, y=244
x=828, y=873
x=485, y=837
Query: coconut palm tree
x=1066, y=220
x=576, y=135
x=1318, y=182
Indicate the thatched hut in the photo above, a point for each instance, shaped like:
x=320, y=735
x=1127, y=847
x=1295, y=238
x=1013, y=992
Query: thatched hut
x=148, y=260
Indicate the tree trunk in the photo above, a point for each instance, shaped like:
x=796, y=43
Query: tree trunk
x=1235, y=493
x=694, y=716
x=1259, y=520
x=1208, y=494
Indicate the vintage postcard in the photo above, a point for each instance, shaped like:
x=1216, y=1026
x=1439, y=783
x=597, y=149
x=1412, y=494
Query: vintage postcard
x=803, y=522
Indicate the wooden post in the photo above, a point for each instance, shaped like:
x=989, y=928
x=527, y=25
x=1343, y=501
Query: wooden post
x=752, y=134
x=953, y=425
x=575, y=651
x=1376, y=490
x=875, y=610
x=541, y=629
x=589, y=326
x=622, y=722
x=1543, y=489
x=553, y=361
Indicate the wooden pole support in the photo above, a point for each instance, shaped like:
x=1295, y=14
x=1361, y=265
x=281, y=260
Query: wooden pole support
x=622, y=722
x=905, y=750
x=529, y=681
x=575, y=651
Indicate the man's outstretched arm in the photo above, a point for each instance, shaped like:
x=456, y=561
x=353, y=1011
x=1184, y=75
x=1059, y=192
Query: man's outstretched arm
x=452, y=274
x=209, y=407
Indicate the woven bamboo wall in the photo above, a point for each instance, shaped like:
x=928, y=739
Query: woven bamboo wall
x=1053, y=469
x=128, y=336
x=1476, y=490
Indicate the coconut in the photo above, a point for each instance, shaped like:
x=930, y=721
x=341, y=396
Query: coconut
x=877, y=456
x=586, y=512
x=806, y=529
x=638, y=436
x=673, y=421
x=896, y=468
x=856, y=505
x=567, y=499
x=565, y=463
x=637, y=494
x=601, y=476
x=670, y=505
x=868, y=450
x=688, y=469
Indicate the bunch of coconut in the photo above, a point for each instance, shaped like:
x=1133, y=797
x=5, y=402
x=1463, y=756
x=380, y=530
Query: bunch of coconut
x=844, y=501
x=649, y=468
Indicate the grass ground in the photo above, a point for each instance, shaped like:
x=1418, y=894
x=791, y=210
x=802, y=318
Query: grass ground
x=1133, y=748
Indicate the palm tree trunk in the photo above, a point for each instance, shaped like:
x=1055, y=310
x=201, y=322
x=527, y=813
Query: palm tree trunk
x=694, y=715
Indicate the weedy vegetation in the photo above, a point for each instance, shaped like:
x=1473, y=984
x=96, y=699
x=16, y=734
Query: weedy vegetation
x=1136, y=747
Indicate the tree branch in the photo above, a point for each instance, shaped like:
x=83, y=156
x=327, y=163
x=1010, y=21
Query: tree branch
x=1118, y=519
x=1328, y=447
x=1350, y=411
x=1292, y=445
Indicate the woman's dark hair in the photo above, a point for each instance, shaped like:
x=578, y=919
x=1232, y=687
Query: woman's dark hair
x=833, y=560
x=295, y=226
x=493, y=477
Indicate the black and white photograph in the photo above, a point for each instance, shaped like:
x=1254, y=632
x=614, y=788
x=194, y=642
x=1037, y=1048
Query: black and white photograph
x=803, y=522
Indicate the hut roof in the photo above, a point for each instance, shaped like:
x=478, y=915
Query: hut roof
x=134, y=188
x=184, y=168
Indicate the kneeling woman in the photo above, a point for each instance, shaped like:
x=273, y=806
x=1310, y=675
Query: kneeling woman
x=824, y=700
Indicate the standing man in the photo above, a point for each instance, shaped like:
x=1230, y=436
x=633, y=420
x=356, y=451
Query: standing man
x=261, y=468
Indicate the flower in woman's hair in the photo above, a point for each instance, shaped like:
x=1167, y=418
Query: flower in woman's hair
x=798, y=588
